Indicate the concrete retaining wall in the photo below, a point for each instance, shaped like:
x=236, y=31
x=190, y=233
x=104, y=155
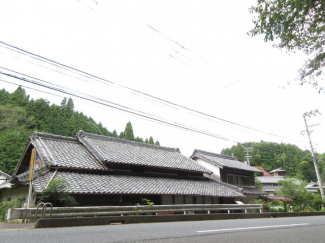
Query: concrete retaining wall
x=87, y=221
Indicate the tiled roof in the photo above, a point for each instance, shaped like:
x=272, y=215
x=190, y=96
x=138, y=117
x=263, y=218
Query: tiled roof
x=265, y=173
x=64, y=152
x=276, y=179
x=114, y=150
x=223, y=160
x=129, y=184
x=247, y=190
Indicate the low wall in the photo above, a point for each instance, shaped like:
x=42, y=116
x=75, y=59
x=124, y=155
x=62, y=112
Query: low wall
x=88, y=221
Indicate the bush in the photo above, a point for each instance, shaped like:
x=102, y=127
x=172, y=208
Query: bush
x=5, y=205
x=56, y=194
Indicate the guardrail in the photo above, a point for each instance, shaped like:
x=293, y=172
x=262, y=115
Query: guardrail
x=62, y=212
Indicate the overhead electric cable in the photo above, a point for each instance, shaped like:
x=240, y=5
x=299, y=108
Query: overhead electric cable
x=128, y=110
x=90, y=76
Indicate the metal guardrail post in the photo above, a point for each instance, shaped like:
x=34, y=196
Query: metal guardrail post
x=44, y=206
x=38, y=205
x=44, y=209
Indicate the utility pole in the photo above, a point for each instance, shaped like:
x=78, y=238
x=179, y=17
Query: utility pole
x=247, y=155
x=31, y=175
x=312, y=150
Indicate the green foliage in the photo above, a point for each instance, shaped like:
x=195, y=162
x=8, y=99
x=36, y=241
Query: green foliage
x=237, y=151
x=128, y=132
x=20, y=117
x=296, y=25
x=12, y=144
x=260, y=201
x=151, y=141
x=147, y=201
x=296, y=192
x=258, y=183
x=293, y=160
x=56, y=194
x=5, y=205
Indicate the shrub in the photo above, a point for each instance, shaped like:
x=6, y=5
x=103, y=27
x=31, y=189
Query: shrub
x=56, y=194
x=5, y=205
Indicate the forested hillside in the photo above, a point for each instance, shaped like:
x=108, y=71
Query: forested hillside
x=296, y=162
x=20, y=116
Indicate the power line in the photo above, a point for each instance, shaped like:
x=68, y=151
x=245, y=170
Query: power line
x=124, y=109
x=99, y=79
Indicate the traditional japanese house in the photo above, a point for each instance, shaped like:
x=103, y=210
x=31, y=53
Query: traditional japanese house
x=229, y=170
x=101, y=170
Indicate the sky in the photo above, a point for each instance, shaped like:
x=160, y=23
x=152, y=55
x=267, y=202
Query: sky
x=157, y=57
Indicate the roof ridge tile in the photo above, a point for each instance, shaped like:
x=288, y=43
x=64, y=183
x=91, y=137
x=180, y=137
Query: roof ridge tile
x=124, y=141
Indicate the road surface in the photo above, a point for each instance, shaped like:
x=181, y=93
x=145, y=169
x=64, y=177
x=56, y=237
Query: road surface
x=296, y=229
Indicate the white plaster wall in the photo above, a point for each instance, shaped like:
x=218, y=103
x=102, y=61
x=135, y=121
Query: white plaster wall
x=16, y=193
x=211, y=167
x=2, y=179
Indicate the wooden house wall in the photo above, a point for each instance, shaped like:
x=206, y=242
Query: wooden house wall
x=225, y=171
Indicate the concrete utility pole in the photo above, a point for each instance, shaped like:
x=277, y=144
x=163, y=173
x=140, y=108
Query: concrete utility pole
x=247, y=155
x=312, y=151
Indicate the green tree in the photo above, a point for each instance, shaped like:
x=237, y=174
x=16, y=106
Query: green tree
x=56, y=194
x=18, y=97
x=114, y=134
x=295, y=191
x=151, y=141
x=4, y=97
x=12, y=144
x=237, y=150
x=128, y=132
x=13, y=117
x=306, y=171
x=296, y=25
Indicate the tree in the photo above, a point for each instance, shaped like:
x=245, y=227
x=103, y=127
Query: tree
x=151, y=141
x=297, y=25
x=18, y=98
x=114, y=134
x=295, y=191
x=306, y=171
x=12, y=144
x=128, y=132
x=56, y=194
x=236, y=150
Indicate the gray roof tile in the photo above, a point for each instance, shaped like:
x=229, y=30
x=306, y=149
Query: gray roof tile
x=64, y=152
x=223, y=160
x=108, y=149
x=130, y=184
x=247, y=190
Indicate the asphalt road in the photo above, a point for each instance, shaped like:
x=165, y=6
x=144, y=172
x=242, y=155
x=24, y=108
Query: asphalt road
x=297, y=229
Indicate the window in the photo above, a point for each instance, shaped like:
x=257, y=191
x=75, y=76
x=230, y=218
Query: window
x=238, y=180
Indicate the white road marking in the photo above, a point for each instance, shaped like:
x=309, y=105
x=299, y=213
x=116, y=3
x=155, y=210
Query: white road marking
x=247, y=228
